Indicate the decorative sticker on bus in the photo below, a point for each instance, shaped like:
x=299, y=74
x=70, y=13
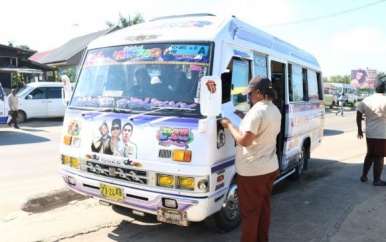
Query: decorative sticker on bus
x=161, y=53
x=179, y=137
x=211, y=85
x=115, y=141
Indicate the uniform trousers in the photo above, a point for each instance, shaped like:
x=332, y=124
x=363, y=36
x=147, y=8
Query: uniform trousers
x=254, y=196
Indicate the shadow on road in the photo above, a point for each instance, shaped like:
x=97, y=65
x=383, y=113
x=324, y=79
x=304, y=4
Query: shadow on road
x=331, y=132
x=21, y=138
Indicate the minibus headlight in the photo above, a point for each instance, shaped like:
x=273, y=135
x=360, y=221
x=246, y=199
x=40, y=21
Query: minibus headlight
x=182, y=155
x=74, y=162
x=186, y=183
x=165, y=180
x=65, y=160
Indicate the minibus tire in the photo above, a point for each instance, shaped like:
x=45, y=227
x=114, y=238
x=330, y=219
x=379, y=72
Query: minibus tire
x=229, y=216
x=299, y=168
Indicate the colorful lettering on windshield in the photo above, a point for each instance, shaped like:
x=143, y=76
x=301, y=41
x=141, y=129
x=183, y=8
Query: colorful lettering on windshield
x=179, y=137
x=152, y=103
x=184, y=53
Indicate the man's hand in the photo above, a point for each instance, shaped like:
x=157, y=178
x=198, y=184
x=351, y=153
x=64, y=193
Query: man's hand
x=360, y=134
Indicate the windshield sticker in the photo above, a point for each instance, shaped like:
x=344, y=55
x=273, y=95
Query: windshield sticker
x=148, y=103
x=184, y=53
x=174, y=136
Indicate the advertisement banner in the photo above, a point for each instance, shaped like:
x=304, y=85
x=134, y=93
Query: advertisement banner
x=363, y=79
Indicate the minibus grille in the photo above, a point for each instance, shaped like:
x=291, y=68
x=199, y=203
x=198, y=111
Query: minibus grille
x=165, y=153
x=130, y=175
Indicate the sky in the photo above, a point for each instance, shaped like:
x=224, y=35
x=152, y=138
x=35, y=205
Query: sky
x=342, y=35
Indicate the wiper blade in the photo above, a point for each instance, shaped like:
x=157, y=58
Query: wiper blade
x=156, y=109
x=121, y=110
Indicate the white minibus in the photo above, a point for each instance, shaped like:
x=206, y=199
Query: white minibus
x=142, y=128
x=333, y=90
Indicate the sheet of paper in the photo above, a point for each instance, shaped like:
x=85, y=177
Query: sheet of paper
x=228, y=111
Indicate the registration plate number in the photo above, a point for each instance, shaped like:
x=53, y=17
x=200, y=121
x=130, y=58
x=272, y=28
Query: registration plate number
x=111, y=192
x=172, y=216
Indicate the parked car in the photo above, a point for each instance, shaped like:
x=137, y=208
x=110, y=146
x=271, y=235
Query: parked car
x=40, y=100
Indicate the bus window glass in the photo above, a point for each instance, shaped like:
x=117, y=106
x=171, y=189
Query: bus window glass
x=313, y=92
x=240, y=78
x=260, y=65
x=297, y=83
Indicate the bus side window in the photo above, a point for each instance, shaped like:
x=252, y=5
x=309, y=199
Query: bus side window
x=226, y=83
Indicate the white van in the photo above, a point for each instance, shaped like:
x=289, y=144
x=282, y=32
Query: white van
x=40, y=100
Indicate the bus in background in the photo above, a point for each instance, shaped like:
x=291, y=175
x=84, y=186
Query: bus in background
x=4, y=109
x=328, y=95
x=333, y=90
x=142, y=128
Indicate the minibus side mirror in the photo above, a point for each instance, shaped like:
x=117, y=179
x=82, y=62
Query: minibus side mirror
x=210, y=96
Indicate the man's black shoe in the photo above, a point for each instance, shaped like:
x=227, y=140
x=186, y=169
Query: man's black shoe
x=17, y=127
x=9, y=124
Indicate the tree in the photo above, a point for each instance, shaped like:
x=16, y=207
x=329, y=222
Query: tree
x=23, y=47
x=338, y=79
x=381, y=76
x=126, y=22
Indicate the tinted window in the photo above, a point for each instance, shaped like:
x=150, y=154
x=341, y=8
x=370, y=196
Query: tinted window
x=54, y=92
x=38, y=93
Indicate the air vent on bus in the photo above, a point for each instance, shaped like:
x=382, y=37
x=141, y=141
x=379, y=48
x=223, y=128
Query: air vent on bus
x=165, y=153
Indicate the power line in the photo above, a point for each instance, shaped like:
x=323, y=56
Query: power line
x=325, y=16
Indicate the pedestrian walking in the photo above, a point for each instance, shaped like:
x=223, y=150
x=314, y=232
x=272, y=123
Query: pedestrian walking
x=256, y=160
x=342, y=100
x=13, y=102
x=374, y=109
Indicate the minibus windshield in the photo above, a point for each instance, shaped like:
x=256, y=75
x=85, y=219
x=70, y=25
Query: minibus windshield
x=143, y=77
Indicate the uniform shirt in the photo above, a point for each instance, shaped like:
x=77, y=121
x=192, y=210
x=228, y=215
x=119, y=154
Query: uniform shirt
x=260, y=157
x=374, y=108
x=13, y=102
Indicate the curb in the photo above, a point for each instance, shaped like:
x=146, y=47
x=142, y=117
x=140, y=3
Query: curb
x=44, y=200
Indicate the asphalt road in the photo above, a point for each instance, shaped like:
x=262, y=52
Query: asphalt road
x=312, y=209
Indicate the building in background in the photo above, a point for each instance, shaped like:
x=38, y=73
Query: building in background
x=17, y=70
x=66, y=58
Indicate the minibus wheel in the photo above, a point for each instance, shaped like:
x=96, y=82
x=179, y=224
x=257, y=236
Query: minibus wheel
x=300, y=165
x=229, y=216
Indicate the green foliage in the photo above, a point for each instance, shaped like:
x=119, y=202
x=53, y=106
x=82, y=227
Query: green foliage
x=338, y=79
x=23, y=47
x=70, y=72
x=126, y=22
x=381, y=76
x=17, y=80
x=347, y=79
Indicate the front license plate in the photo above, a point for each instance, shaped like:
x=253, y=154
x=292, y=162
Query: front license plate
x=172, y=216
x=111, y=192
